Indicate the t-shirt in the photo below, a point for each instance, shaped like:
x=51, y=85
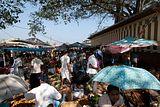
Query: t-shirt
x=44, y=95
x=65, y=60
x=92, y=61
x=36, y=63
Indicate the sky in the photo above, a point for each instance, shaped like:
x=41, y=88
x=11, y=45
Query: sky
x=70, y=33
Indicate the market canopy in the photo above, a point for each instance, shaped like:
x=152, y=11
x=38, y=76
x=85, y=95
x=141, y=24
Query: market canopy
x=62, y=47
x=128, y=43
x=78, y=45
x=25, y=49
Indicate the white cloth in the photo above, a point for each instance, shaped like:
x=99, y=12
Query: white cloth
x=43, y=95
x=65, y=60
x=36, y=63
x=92, y=61
x=105, y=101
x=78, y=92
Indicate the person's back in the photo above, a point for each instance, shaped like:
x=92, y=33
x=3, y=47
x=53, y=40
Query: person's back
x=36, y=63
x=44, y=95
x=65, y=67
x=64, y=61
x=35, y=72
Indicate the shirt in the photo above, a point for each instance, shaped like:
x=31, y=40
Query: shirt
x=36, y=63
x=92, y=61
x=43, y=95
x=65, y=60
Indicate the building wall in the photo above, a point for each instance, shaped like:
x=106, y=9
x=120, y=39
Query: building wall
x=147, y=27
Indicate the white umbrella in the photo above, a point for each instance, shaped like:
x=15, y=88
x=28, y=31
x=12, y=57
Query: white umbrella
x=11, y=85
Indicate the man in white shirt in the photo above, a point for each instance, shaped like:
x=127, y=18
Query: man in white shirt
x=93, y=66
x=36, y=63
x=44, y=95
x=36, y=72
x=93, y=63
x=65, y=67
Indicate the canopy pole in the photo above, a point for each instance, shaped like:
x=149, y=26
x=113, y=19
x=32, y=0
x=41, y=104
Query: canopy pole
x=4, y=59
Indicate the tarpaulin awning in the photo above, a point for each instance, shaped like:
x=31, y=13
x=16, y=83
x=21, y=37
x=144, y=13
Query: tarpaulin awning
x=25, y=49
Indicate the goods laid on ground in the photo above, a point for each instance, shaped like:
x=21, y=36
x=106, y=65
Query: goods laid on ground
x=23, y=103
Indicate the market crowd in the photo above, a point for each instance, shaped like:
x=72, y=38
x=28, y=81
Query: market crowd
x=64, y=78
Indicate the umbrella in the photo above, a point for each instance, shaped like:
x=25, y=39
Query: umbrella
x=63, y=47
x=124, y=42
x=78, y=45
x=128, y=43
x=127, y=77
x=11, y=85
x=117, y=49
x=143, y=43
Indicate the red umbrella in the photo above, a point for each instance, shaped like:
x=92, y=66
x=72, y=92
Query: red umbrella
x=127, y=44
x=117, y=49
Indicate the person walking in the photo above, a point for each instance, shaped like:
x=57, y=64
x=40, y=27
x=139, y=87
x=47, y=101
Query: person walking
x=65, y=67
x=93, y=66
x=35, y=72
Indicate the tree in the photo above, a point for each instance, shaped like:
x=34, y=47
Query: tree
x=36, y=25
x=9, y=11
x=81, y=9
x=69, y=10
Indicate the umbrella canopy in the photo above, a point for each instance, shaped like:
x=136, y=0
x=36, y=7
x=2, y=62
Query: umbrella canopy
x=143, y=43
x=78, y=45
x=128, y=43
x=63, y=47
x=127, y=77
x=11, y=85
x=117, y=49
x=124, y=42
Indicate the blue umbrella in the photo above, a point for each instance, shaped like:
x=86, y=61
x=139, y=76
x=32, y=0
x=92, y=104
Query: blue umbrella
x=127, y=77
x=126, y=41
x=143, y=43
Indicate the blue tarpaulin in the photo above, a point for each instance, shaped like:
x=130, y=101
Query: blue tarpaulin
x=26, y=49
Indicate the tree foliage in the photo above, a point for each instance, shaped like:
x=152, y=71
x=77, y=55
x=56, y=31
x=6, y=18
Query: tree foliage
x=69, y=10
x=36, y=25
x=81, y=9
x=9, y=11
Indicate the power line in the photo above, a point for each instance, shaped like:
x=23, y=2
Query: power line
x=50, y=38
x=41, y=35
x=20, y=27
x=8, y=34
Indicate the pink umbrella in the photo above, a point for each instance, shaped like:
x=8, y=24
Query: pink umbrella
x=127, y=44
x=117, y=49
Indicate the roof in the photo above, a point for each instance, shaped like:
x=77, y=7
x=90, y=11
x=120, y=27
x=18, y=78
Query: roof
x=135, y=17
x=36, y=41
